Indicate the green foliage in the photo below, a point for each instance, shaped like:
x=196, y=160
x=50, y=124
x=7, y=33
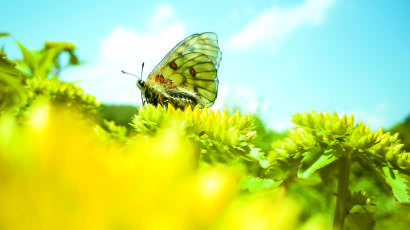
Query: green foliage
x=45, y=62
x=222, y=138
x=12, y=92
x=404, y=133
x=321, y=138
x=23, y=81
x=35, y=77
x=120, y=114
x=327, y=146
x=111, y=131
x=265, y=136
x=62, y=93
x=256, y=184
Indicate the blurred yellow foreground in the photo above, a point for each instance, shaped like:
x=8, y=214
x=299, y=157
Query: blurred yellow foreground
x=59, y=170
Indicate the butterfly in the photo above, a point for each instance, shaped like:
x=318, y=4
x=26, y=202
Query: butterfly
x=187, y=75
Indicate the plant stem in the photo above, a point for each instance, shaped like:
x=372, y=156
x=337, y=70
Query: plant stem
x=342, y=192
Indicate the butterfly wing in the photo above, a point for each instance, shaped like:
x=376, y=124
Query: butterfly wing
x=189, y=69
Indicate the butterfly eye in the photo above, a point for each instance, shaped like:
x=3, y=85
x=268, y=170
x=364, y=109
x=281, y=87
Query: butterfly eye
x=173, y=65
x=141, y=83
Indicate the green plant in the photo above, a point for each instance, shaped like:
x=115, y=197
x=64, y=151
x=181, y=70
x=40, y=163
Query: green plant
x=120, y=114
x=222, y=138
x=12, y=91
x=404, y=132
x=35, y=77
x=45, y=63
x=330, y=147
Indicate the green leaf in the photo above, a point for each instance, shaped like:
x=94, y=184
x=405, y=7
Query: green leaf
x=12, y=92
x=255, y=184
x=42, y=62
x=47, y=61
x=260, y=156
x=73, y=58
x=4, y=34
x=314, y=160
x=323, y=161
x=28, y=57
x=399, y=183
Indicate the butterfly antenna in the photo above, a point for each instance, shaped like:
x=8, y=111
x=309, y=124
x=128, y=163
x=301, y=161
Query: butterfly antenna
x=142, y=69
x=124, y=72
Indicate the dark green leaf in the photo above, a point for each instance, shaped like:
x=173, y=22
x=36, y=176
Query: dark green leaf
x=11, y=90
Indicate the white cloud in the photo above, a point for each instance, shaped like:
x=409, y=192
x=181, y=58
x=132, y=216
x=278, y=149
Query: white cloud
x=126, y=49
x=273, y=25
x=243, y=97
x=282, y=125
x=223, y=91
x=162, y=15
x=248, y=100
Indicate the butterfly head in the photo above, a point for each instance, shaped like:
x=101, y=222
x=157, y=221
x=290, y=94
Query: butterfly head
x=141, y=84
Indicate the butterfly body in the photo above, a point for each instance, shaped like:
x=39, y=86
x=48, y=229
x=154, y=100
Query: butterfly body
x=187, y=75
x=178, y=99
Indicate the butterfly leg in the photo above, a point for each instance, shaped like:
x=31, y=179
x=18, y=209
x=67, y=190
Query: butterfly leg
x=142, y=99
x=166, y=102
x=162, y=102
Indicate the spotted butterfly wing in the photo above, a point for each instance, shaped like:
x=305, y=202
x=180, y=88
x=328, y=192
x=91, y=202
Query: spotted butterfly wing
x=187, y=75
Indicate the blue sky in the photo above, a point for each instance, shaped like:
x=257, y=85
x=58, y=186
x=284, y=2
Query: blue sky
x=279, y=57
